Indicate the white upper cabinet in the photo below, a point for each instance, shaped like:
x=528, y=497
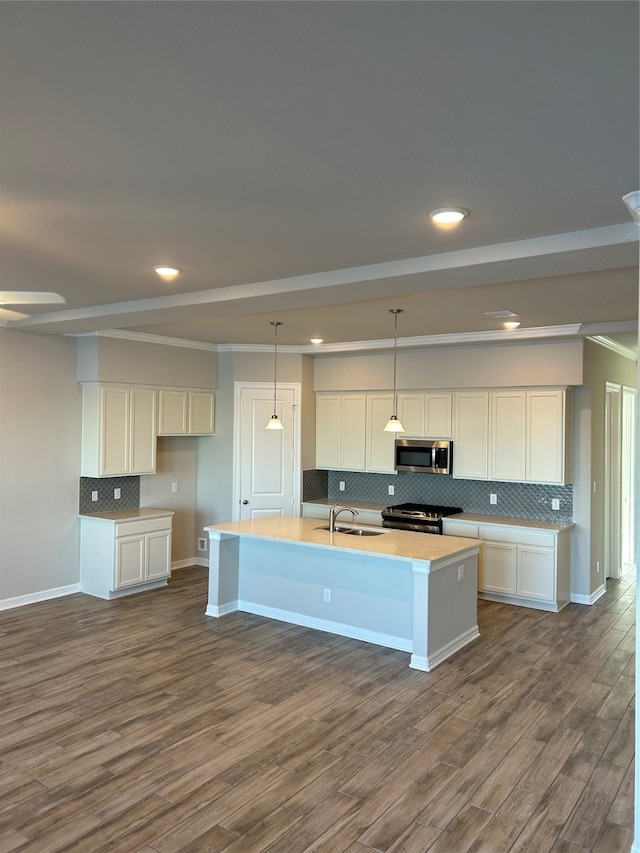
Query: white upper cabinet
x=471, y=435
x=411, y=414
x=340, y=431
x=426, y=415
x=507, y=435
x=513, y=435
x=548, y=436
x=184, y=411
x=118, y=430
x=380, y=444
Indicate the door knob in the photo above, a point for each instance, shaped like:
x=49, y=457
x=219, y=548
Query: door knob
x=245, y=501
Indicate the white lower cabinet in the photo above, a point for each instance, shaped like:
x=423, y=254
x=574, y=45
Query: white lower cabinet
x=120, y=555
x=518, y=565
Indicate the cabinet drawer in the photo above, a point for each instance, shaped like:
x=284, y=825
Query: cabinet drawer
x=517, y=536
x=134, y=528
x=461, y=528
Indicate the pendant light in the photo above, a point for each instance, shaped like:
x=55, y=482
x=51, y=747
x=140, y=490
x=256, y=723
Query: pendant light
x=274, y=421
x=393, y=424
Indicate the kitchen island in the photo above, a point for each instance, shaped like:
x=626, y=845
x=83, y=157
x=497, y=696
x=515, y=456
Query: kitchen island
x=415, y=592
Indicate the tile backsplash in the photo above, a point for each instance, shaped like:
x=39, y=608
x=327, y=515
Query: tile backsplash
x=104, y=486
x=515, y=500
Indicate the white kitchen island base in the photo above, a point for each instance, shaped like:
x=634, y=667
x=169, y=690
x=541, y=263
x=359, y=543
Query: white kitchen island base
x=408, y=591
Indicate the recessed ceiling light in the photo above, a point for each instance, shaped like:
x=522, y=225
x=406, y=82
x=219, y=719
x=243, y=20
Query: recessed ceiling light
x=317, y=340
x=167, y=272
x=448, y=215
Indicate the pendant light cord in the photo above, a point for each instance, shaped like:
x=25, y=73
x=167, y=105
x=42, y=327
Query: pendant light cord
x=275, y=324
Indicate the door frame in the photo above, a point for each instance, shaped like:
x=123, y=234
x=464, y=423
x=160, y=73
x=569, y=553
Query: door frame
x=296, y=474
x=612, y=523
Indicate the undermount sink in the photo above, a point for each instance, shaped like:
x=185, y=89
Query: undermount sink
x=353, y=531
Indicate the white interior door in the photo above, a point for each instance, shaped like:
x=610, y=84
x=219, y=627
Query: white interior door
x=267, y=468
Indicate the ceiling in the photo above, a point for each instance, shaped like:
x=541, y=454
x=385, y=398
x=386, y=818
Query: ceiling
x=285, y=155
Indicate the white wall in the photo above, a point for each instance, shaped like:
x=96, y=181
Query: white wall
x=40, y=415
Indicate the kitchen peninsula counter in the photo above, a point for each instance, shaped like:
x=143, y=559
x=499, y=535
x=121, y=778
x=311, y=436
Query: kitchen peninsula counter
x=410, y=591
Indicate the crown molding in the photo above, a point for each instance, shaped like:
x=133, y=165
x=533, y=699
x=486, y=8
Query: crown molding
x=145, y=338
x=496, y=336
x=614, y=346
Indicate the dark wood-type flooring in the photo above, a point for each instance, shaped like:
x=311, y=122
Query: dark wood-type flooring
x=142, y=725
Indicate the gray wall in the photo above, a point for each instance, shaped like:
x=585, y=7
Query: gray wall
x=40, y=412
x=116, y=359
x=500, y=365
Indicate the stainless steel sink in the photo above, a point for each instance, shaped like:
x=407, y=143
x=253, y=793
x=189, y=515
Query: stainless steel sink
x=353, y=531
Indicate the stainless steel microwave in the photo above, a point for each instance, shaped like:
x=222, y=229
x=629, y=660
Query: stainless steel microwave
x=424, y=455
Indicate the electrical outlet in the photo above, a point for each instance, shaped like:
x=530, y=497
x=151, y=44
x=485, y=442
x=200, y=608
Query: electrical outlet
x=94, y=496
x=327, y=596
x=597, y=567
x=493, y=499
x=117, y=494
x=174, y=487
x=555, y=503
x=202, y=544
x=594, y=487
x=391, y=490
x=341, y=486
x=460, y=573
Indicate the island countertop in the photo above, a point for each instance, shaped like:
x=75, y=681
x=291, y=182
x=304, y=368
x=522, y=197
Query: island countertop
x=400, y=544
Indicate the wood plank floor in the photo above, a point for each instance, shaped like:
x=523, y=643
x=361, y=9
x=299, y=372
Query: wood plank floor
x=141, y=725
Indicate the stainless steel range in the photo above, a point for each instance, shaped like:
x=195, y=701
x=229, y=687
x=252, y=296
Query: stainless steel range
x=421, y=518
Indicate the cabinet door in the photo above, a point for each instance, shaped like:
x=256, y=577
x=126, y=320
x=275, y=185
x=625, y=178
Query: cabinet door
x=411, y=414
x=158, y=555
x=437, y=410
x=470, y=435
x=353, y=432
x=143, y=441
x=130, y=561
x=498, y=568
x=380, y=444
x=536, y=573
x=114, y=431
x=328, y=427
x=546, y=436
x=201, y=413
x=174, y=412
x=507, y=435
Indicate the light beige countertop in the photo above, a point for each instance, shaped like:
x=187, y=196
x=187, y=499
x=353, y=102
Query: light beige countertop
x=140, y=514
x=399, y=544
x=528, y=523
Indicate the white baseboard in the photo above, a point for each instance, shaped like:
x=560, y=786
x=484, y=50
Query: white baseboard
x=389, y=641
x=589, y=599
x=191, y=561
x=43, y=595
x=426, y=664
x=212, y=610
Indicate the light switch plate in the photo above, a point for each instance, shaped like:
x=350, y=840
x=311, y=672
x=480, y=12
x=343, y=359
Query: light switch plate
x=493, y=499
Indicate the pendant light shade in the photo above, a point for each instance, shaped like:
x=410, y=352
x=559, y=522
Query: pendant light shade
x=274, y=421
x=393, y=424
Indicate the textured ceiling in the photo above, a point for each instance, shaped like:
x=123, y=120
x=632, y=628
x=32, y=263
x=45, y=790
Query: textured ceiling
x=286, y=155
